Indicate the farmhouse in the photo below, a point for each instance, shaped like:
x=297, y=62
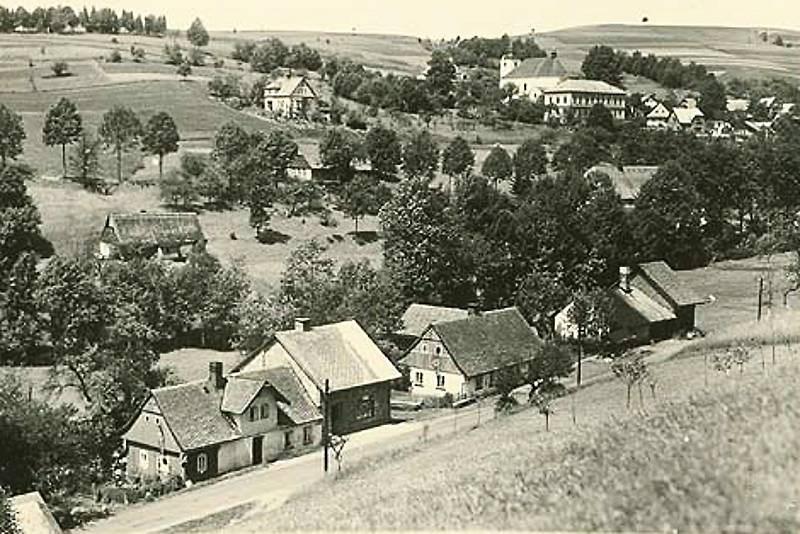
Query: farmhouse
x=687, y=119
x=310, y=152
x=532, y=76
x=627, y=180
x=462, y=357
x=658, y=117
x=577, y=97
x=164, y=235
x=358, y=374
x=202, y=429
x=649, y=303
x=289, y=97
x=419, y=316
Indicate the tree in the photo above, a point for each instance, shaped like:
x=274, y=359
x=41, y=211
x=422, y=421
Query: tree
x=20, y=331
x=440, y=75
x=384, y=152
x=62, y=126
x=12, y=134
x=602, y=63
x=161, y=137
x=196, y=57
x=591, y=312
x=600, y=117
x=420, y=156
x=359, y=198
x=19, y=220
x=120, y=130
x=530, y=161
x=544, y=404
x=268, y=158
x=178, y=189
x=506, y=380
x=85, y=160
x=337, y=151
x=60, y=68
x=631, y=369
x=268, y=56
x=586, y=147
x=551, y=363
x=458, y=159
x=184, y=69
x=498, y=165
x=540, y=296
x=197, y=33
x=174, y=54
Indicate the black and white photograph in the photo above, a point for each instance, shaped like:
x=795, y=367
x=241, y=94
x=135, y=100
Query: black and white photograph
x=418, y=266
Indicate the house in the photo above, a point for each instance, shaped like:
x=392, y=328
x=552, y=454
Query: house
x=627, y=180
x=462, y=357
x=198, y=430
x=418, y=317
x=720, y=129
x=32, y=514
x=311, y=153
x=289, y=97
x=300, y=169
x=577, y=97
x=737, y=104
x=531, y=76
x=650, y=102
x=687, y=119
x=650, y=303
x=688, y=102
x=168, y=235
x=658, y=117
x=358, y=375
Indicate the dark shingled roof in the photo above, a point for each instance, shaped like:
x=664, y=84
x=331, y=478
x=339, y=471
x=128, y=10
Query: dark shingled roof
x=296, y=403
x=494, y=340
x=539, y=67
x=665, y=278
x=628, y=180
x=156, y=228
x=193, y=413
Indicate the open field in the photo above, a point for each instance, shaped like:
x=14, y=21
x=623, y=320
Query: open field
x=694, y=458
x=732, y=51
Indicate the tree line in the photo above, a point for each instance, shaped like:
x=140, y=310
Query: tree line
x=63, y=18
x=485, y=52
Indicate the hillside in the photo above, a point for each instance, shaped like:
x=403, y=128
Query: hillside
x=728, y=51
x=695, y=458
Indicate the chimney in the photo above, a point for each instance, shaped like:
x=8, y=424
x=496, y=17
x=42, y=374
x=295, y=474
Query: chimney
x=215, y=379
x=473, y=310
x=554, y=54
x=625, y=279
x=301, y=324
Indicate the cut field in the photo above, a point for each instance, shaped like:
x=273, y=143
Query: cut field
x=691, y=458
x=732, y=51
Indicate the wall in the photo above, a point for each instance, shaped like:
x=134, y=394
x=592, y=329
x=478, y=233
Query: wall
x=144, y=462
x=235, y=455
x=533, y=88
x=276, y=356
x=344, y=418
x=429, y=356
x=266, y=397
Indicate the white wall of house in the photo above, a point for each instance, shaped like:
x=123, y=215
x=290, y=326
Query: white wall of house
x=304, y=175
x=276, y=356
x=435, y=373
x=428, y=383
x=533, y=88
x=260, y=417
x=234, y=455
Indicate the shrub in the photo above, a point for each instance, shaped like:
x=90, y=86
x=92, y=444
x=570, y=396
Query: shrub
x=138, y=54
x=60, y=68
x=114, y=57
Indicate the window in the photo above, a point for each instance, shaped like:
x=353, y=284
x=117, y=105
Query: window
x=418, y=378
x=264, y=411
x=307, y=435
x=479, y=382
x=440, y=381
x=202, y=463
x=144, y=461
x=163, y=465
x=438, y=350
x=487, y=379
x=287, y=440
x=253, y=413
x=366, y=407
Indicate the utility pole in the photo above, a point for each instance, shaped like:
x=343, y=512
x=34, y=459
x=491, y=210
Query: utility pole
x=760, y=296
x=326, y=424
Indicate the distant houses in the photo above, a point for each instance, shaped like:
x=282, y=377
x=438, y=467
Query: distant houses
x=650, y=303
x=341, y=357
x=199, y=430
x=290, y=97
x=463, y=357
x=163, y=235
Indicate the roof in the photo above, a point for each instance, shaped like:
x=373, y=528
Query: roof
x=159, y=228
x=737, y=104
x=193, y=413
x=585, y=86
x=299, y=162
x=687, y=115
x=287, y=86
x=628, y=180
x=311, y=153
x=638, y=308
x=539, y=67
x=419, y=316
x=667, y=280
x=659, y=111
x=240, y=392
x=190, y=365
x=342, y=353
x=32, y=514
x=295, y=402
x=493, y=340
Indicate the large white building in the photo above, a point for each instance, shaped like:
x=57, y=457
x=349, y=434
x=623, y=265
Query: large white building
x=577, y=97
x=532, y=76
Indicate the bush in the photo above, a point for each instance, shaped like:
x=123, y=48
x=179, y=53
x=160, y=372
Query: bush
x=114, y=57
x=138, y=54
x=355, y=121
x=60, y=68
x=219, y=63
x=327, y=219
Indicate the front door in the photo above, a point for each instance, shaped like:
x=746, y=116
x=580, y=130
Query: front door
x=258, y=450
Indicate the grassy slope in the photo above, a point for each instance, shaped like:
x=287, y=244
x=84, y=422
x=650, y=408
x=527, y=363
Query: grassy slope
x=735, y=51
x=726, y=457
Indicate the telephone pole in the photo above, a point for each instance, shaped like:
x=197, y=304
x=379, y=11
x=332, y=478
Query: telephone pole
x=326, y=423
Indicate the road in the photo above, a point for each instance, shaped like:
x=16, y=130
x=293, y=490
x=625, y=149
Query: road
x=279, y=480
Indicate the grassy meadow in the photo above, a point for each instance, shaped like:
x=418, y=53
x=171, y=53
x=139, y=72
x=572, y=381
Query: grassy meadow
x=692, y=457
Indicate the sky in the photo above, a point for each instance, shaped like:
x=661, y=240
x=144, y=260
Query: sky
x=448, y=18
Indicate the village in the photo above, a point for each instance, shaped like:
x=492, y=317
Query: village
x=553, y=244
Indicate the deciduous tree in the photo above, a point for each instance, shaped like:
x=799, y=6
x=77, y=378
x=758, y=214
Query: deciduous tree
x=458, y=159
x=384, y=151
x=120, y=130
x=161, y=137
x=85, y=160
x=420, y=156
x=62, y=126
x=12, y=134
x=530, y=161
x=498, y=165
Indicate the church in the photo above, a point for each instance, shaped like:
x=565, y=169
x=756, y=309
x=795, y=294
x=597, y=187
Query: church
x=532, y=76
